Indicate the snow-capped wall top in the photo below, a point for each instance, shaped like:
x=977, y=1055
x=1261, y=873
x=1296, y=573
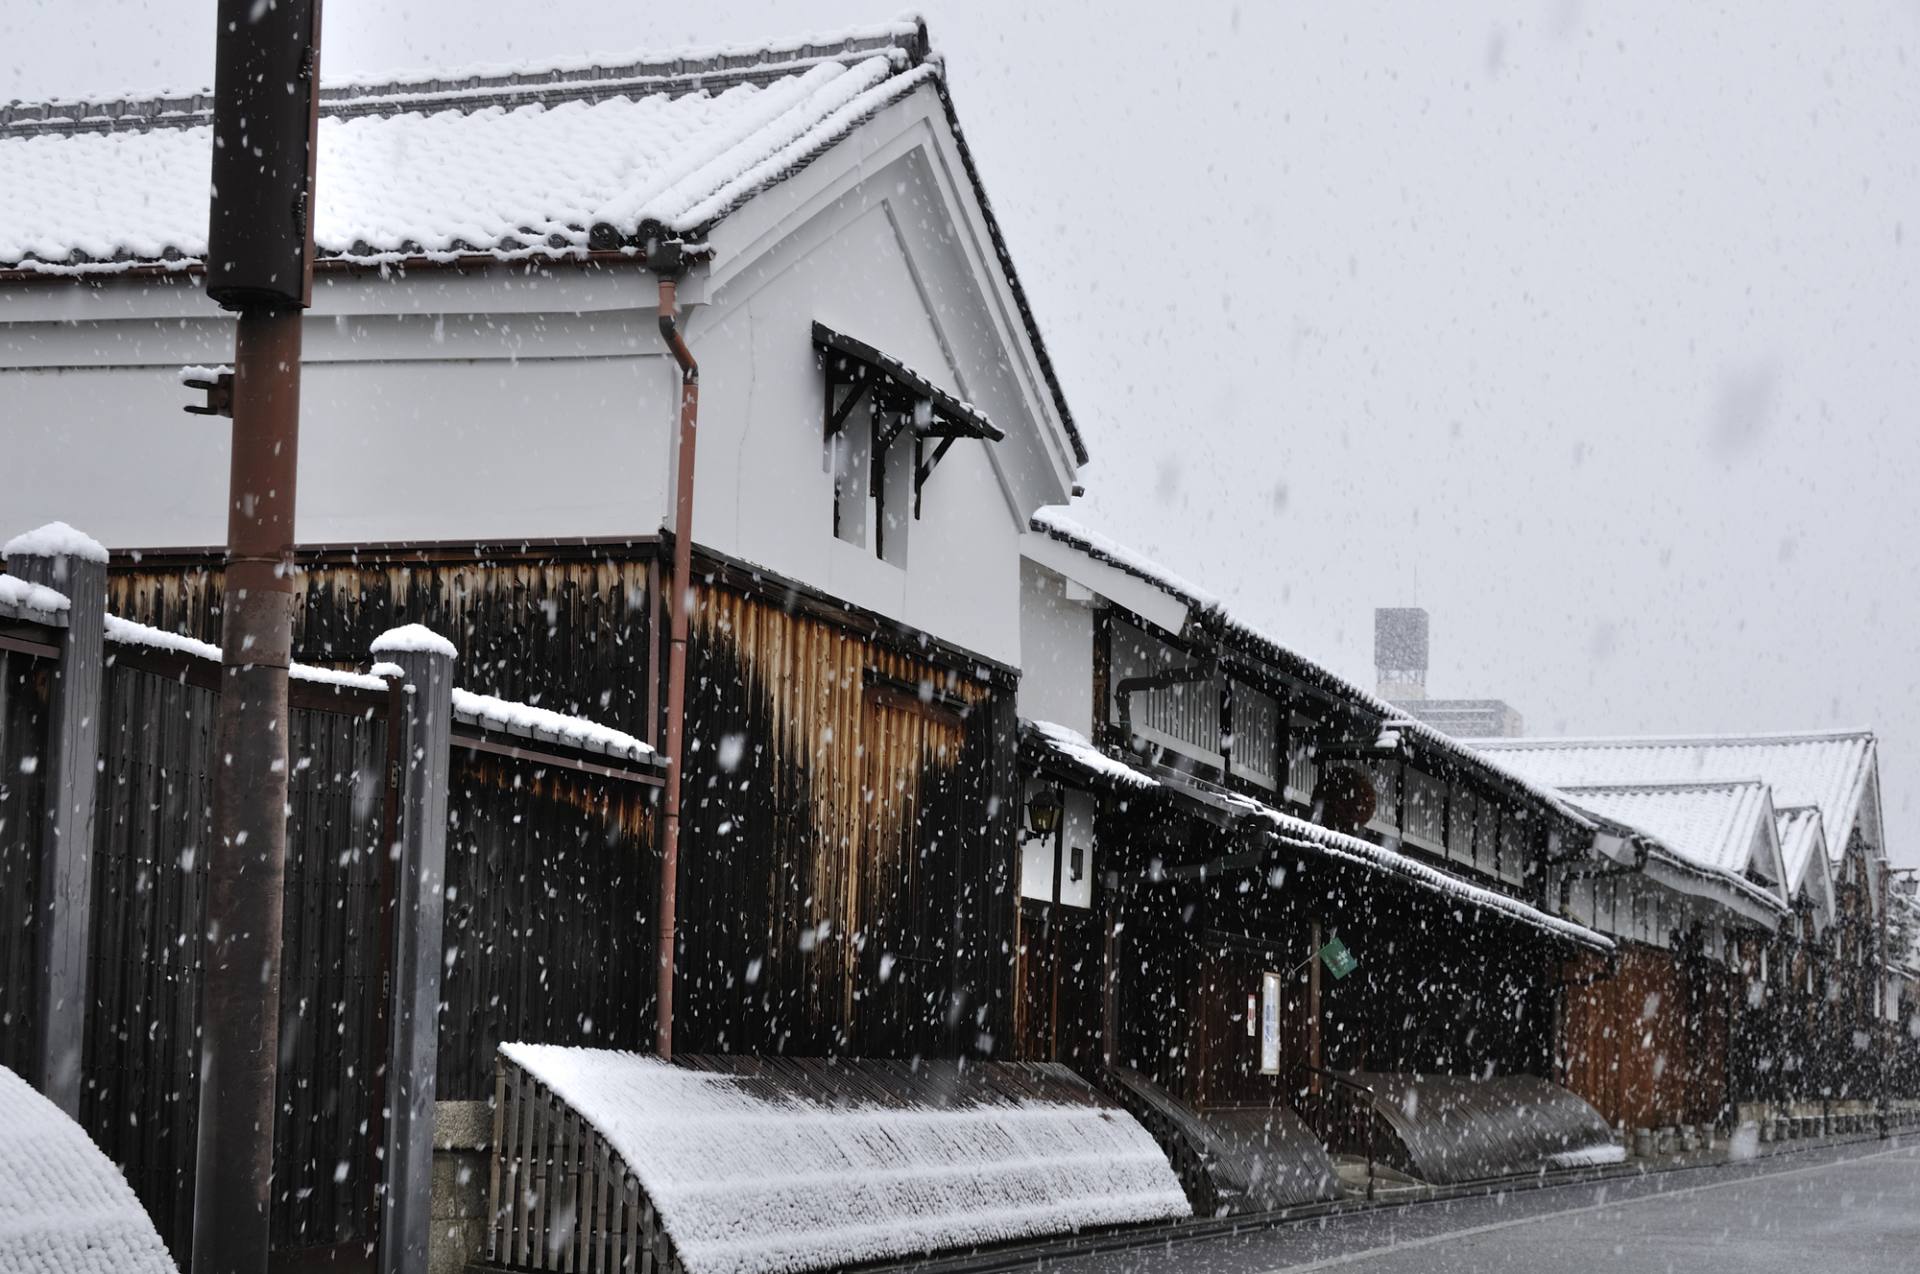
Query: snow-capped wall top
x=55, y=539
x=412, y=639
x=767, y=1173
x=63, y=1205
x=532, y=722
x=21, y=600
x=506, y=162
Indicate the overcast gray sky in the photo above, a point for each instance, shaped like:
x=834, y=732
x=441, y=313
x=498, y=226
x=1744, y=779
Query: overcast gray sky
x=1590, y=327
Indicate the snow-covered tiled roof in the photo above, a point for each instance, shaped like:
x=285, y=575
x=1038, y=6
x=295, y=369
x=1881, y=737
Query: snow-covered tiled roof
x=1717, y=826
x=1829, y=770
x=1803, y=838
x=64, y=1206
x=1064, y=528
x=515, y=164
x=752, y=1172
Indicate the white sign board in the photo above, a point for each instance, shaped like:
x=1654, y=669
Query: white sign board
x=1270, y=1024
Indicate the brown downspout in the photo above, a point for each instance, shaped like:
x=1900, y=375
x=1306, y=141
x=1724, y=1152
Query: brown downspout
x=682, y=605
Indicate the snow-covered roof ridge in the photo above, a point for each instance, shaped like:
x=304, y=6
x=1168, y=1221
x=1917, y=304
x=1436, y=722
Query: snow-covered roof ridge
x=1709, y=739
x=713, y=67
x=529, y=721
x=1722, y=828
x=64, y=1206
x=752, y=1173
x=1803, y=836
x=538, y=161
x=55, y=539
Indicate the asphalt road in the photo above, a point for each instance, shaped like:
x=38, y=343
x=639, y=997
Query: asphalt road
x=1851, y=1209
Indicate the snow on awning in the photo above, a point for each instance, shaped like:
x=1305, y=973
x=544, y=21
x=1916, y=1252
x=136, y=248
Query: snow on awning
x=1072, y=752
x=1312, y=838
x=63, y=1205
x=771, y=1164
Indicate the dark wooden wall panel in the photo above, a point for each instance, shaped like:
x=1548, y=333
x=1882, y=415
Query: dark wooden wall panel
x=23, y=742
x=566, y=629
x=840, y=872
x=549, y=914
x=142, y=1050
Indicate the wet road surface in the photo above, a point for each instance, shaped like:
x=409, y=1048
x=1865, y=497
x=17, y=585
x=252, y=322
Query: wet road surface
x=1849, y=1209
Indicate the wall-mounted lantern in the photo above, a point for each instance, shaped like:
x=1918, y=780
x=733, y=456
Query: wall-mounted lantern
x=1043, y=814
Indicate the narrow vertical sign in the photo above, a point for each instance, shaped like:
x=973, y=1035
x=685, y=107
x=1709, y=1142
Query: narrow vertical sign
x=1270, y=1024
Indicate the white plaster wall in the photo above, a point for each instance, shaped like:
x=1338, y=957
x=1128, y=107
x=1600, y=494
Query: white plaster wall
x=764, y=491
x=1036, y=856
x=1056, y=652
x=388, y=451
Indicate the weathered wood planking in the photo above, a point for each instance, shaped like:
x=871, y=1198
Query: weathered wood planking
x=844, y=866
x=563, y=626
x=1646, y=1046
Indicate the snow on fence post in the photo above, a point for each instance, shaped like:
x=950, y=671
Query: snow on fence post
x=61, y=558
x=421, y=661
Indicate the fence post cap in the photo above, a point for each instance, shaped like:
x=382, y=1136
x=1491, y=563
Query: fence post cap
x=56, y=539
x=412, y=639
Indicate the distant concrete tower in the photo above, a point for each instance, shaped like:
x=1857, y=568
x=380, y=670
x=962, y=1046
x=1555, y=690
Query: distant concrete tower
x=1400, y=652
x=1400, y=664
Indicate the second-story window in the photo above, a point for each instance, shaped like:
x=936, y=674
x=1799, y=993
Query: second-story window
x=886, y=430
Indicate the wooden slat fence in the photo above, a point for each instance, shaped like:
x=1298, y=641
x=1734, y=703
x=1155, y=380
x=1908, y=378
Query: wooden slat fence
x=559, y=1198
x=153, y=824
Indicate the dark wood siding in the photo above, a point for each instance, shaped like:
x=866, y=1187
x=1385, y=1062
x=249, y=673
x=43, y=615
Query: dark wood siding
x=843, y=866
x=142, y=1051
x=23, y=742
x=563, y=627
x=1647, y=1046
x=549, y=914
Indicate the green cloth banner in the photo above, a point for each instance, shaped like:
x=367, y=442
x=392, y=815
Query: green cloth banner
x=1339, y=961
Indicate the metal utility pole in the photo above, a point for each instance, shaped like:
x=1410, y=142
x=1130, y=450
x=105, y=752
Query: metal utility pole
x=259, y=263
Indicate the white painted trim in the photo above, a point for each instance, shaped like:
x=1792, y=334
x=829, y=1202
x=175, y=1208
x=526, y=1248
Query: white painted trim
x=1150, y=603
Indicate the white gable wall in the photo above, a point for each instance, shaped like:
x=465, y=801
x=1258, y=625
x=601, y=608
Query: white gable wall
x=1056, y=645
